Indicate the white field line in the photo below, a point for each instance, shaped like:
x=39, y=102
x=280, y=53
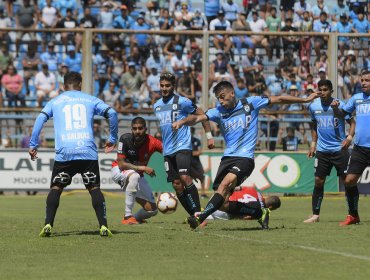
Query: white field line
x=303, y=247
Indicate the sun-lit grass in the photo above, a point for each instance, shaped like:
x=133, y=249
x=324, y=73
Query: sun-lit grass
x=165, y=248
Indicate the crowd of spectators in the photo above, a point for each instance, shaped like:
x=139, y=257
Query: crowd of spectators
x=126, y=67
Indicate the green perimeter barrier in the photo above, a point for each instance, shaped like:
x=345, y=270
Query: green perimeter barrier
x=273, y=173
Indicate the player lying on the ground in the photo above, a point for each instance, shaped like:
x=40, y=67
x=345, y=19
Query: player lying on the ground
x=133, y=154
x=234, y=207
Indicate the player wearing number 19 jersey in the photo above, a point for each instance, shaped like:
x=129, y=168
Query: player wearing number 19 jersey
x=332, y=144
x=73, y=113
x=238, y=122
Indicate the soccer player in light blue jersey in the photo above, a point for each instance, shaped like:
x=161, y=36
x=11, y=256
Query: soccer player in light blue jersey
x=177, y=148
x=329, y=142
x=238, y=122
x=73, y=112
x=360, y=157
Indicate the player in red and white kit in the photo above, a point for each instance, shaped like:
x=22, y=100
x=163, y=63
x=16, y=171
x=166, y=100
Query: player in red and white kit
x=235, y=208
x=133, y=154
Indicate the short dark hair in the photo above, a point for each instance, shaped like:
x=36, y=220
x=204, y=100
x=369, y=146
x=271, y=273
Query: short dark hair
x=73, y=78
x=274, y=201
x=327, y=83
x=168, y=76
x=138, y=120
x=365, y=72
x=222, y=86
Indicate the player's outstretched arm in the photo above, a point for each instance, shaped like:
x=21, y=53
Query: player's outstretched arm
x=189, y=120
x=207, y=128
x=292, y=99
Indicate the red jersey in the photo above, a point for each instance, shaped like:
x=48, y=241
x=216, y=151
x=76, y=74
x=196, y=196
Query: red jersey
x=137, y=156
x=246, y=195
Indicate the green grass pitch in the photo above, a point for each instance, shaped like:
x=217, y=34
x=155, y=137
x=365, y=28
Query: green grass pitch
x=165, y=248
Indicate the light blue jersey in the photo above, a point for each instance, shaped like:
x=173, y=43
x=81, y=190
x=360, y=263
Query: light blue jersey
x=330, y=129
x=73, y=113
x=361, y=103
x=239, y=126
x=167, y=113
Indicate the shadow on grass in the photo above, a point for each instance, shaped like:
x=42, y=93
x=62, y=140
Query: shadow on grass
x=252, y=229
x=91, y=232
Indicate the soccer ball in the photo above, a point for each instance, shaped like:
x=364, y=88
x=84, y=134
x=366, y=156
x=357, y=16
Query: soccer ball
x=167, y=203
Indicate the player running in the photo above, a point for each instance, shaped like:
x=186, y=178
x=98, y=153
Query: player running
x=133, y=154
x=360, y=157
x=238, y=122
x=76, y=152
x=328, y=134
x=177, y=148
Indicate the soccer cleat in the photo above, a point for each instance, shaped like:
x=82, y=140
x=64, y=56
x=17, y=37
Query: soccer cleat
x=350, y=220
x=264, y=220
x=46, y=231
x=130, y=220
x=193, y=222
x=105, y=232
x=312, y=219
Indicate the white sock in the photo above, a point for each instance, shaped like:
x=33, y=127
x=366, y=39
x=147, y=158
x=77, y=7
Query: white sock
x=129, y=203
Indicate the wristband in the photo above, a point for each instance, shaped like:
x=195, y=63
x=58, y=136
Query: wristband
x=209, y=135
x=313, y=144
x=349, y=138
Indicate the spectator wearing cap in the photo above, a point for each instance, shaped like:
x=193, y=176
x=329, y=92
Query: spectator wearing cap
x=141, y=40
x=156, y=60
x=26, y=18
x=231, y=10
x=305, y=41
x=299, y=8
x=69, y=22
x=123, y=21
x=88, y=20
x=179, y=61
x=339, y=9
x=198, y=21
x=106, y=17
x=211, y=8
x=322, y=26
x=12, y=82
x=259, y=25
x=102, y=68
x=275, y=83
x=51, y=58
x=273, y=23
x=45, y=83
x=220, y=23
x=240, y=41
x=362, y=26
x=356, y=9
x=290, y=142
x=343, y=26
x=321, y=74
x=152, y=83
x=318, y=8
x=30, y=62
x=132, y=83
x=165, y=22
x=73, y=60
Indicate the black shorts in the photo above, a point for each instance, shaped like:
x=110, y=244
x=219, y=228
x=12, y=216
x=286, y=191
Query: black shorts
x=240, y=166
x=177, y=164
x=63, y=172
x=196, y=169
x=325, y=161
x=359, y=160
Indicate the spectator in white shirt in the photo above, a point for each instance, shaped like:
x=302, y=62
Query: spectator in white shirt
x=259, y=25
x=220, y=23
x=45, y=85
